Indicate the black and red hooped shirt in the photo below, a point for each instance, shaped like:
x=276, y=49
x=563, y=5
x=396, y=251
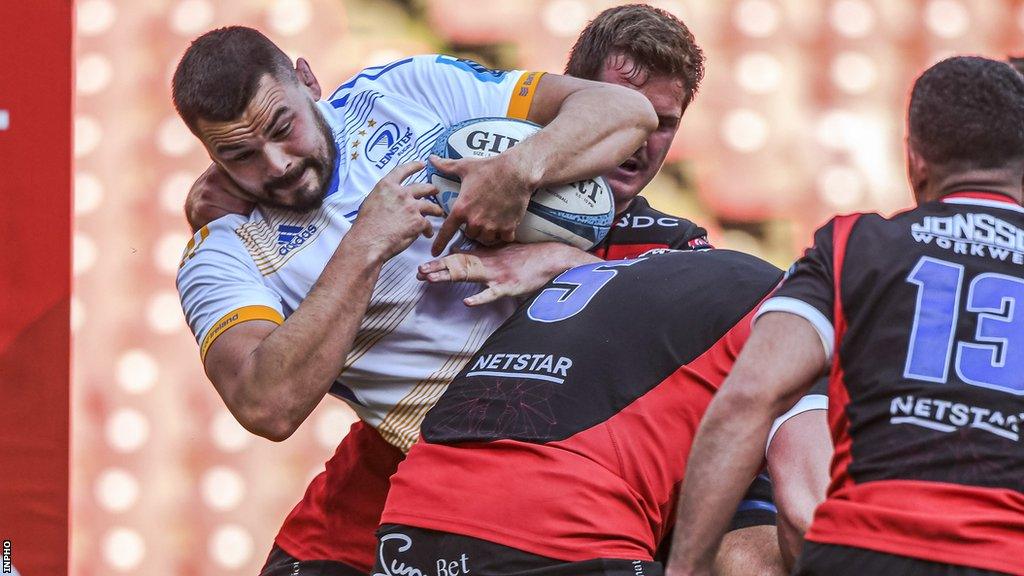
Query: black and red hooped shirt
x=922, y=316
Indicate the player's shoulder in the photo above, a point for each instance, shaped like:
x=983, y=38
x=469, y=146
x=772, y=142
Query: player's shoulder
x=872, y=232
x=854, y=218
x=958, y=219
x=216, y=244
x=955, y=204
x=712, y=264
x=373, y=74
x=846, y=224
x=718, y=287
x=735, y=260
x=641, y=207
x=464, y=66
x=642, y=219
x=412, y=69
x=372, y=82
x=868, y=241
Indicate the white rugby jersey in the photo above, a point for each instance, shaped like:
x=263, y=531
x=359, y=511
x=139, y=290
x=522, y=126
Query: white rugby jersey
x=415, y=337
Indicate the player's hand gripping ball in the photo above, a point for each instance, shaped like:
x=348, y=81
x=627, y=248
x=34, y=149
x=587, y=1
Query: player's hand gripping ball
x=579, y=214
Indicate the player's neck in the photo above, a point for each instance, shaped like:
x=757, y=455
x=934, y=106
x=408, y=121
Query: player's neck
x=1004, y=181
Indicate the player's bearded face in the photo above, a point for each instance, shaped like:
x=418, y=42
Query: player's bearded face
x=666, y=94
x=280, y=152
x=303, y=188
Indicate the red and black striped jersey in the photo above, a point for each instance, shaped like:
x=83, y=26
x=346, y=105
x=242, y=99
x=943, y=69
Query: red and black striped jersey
x=919, y=314
x=641, y=228
x=567, y=434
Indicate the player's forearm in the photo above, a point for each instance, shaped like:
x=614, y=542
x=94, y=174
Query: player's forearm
x=555, y=260
x=798, y=460
x=565, y=257
x=294, y=367
x=778, y=364
x=726, y=454
x=791, y=541
x=596, y=129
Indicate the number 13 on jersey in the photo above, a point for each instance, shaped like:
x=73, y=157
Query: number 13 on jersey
x=995, y=359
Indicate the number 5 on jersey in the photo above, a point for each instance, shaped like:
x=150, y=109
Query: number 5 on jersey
x=573, y=290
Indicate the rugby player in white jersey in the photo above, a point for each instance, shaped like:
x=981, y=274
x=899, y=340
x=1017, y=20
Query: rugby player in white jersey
x=320, y=280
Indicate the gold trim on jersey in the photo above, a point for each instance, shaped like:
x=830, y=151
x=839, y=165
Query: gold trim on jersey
x=401, y=426
x=193, y=245
x=236, y=317
x=390, y=304
x=522, y=95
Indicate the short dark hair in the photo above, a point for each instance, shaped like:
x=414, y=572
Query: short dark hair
x=968, y=110
x=219, y=73
x=656, y=41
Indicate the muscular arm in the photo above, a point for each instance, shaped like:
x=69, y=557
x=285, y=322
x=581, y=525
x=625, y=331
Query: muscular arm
x=777, y=365
x=271, y=377
x=589, y=129
x=798, y=461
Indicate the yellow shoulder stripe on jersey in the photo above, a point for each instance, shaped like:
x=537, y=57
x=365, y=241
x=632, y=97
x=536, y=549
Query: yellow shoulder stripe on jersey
x=236, y=317
x=193, y=245
x=522, y=95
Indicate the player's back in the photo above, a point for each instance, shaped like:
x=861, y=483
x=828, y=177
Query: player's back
x=927, y=388
x=567, y=434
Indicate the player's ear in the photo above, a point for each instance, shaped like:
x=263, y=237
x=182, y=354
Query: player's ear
x=917, y=172
x=305, y=75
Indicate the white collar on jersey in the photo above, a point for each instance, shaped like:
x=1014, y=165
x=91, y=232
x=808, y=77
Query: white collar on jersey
x=1007, y=204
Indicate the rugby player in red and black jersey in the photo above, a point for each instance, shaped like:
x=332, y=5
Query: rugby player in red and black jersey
x=557, y=450
x=649, y=50
x=916, y=318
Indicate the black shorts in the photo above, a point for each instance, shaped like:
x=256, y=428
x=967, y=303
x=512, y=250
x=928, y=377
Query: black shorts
x=408, y=550
x=832, y=560
x=280, y=563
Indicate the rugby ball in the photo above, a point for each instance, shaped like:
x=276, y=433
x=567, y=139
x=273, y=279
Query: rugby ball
x=579, y=214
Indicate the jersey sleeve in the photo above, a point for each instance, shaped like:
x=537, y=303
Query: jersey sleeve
x=457, y=89
x=641, y=228
x=220, y=286
x=693, y=237
x=808, y=289
x=815, y=399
